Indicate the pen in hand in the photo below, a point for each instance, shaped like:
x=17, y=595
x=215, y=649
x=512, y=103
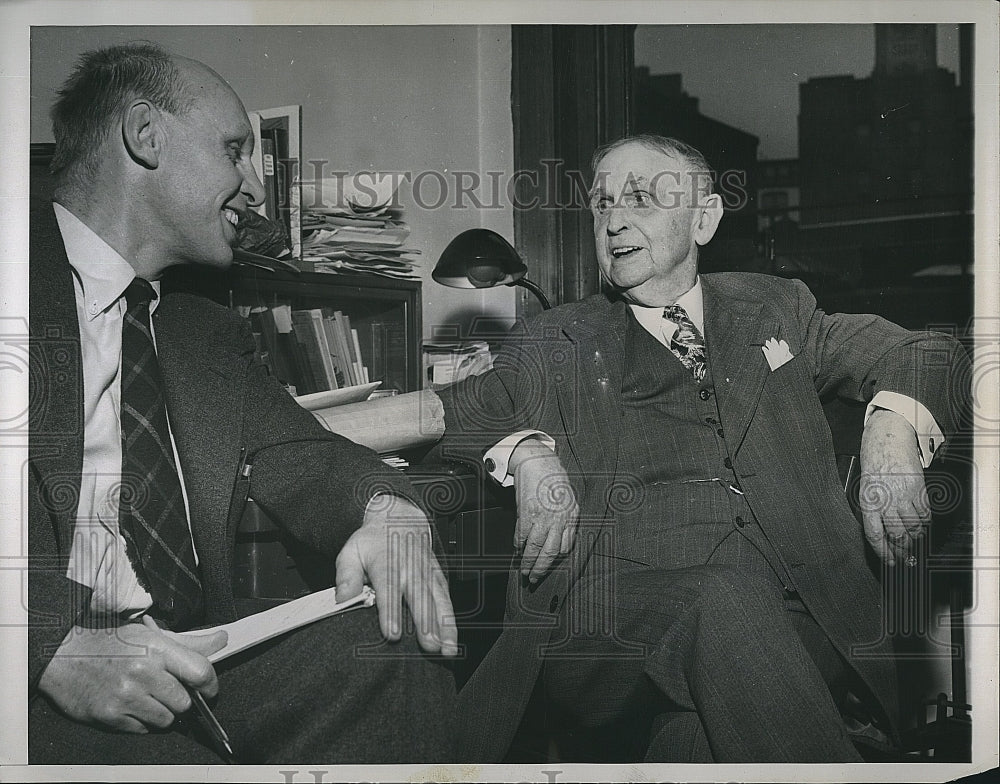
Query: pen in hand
x=218, y=734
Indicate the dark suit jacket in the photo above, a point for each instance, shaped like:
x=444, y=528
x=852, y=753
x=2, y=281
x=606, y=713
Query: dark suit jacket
x=562, y=374
x=220, y=398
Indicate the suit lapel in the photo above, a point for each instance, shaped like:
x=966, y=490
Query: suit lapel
x=593, y=405
x=735, y=330
x=55, y=419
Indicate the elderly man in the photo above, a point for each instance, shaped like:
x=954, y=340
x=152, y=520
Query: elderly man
x=717, y=604
x=143, y=410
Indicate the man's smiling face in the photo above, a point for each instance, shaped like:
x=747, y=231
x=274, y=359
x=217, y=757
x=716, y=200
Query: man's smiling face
x=648, y=222
x=207, y=179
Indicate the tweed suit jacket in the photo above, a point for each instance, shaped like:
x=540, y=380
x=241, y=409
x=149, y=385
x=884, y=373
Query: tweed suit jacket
x=220, y=400
x=562, y=373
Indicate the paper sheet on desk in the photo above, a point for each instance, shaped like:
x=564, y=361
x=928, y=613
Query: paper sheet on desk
x=254, y=629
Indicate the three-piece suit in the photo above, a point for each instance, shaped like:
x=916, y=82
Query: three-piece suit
x=718, y=564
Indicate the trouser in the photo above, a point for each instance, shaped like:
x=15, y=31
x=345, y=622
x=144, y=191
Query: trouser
x=704, y=664
x=328, y=693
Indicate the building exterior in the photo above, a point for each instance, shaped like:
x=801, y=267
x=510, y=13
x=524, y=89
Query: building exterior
x=885, y=166
x=778, y=191
x=661, y=106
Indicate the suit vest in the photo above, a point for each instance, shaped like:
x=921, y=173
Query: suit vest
x=674, y=447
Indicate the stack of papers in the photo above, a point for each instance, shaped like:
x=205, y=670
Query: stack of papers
x=349, y=224
x=446, y=363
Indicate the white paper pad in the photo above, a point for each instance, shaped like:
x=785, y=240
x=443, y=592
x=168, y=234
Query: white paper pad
x=254, y=629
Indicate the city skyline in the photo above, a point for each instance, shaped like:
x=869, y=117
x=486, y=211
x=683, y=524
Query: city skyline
x=714, y=61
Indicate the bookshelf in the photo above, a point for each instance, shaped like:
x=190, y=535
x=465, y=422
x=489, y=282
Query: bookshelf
x=385, y=312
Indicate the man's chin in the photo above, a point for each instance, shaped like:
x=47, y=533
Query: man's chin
x=221, y=260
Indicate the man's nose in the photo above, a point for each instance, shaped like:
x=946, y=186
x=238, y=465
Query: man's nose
x=252, y=188
x=618, y=219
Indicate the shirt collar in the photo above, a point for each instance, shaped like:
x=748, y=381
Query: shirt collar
x=691, y=300
x=102, y=272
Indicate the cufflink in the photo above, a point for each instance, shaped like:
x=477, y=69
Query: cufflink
x=490, y=464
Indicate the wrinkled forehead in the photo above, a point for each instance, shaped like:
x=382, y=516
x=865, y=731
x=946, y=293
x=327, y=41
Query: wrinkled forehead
x=634, y=166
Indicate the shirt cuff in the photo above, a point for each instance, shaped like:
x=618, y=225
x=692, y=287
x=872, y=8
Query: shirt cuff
x=930, y=439
x=497, y=457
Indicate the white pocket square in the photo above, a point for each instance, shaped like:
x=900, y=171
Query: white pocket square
x=776, y=353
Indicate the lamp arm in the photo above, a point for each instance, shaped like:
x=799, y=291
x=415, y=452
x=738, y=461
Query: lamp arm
x=534, y=289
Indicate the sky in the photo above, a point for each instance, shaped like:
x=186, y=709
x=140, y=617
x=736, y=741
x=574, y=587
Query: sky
x=749, y=75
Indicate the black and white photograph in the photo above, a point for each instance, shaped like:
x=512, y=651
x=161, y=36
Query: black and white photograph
x=499, y=392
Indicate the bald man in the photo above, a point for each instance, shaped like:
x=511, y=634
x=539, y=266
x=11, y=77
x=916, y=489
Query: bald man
x=141, y=412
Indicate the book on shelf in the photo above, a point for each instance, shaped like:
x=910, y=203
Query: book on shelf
x=362, y=370
x=294, y=353
x=311, y=350
x=311, y=335
x=342, y=327
x=336, y=355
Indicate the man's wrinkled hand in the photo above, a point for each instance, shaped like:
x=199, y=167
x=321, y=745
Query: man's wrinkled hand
x=392, y=551
x=547, y=511
x=130, y=678
x=893, y=497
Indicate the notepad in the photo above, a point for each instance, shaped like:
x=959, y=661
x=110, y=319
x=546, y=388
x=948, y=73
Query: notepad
x=262, y=626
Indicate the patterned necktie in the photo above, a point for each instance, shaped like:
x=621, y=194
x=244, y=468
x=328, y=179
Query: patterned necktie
x=687, y=343
x=151, y=510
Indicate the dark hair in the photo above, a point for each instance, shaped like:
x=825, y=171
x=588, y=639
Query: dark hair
x=97, y=92
x=665, y=144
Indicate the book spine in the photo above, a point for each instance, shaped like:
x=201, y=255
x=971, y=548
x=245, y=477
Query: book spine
x=324, y=349
x=305, y=336
x=362, y=370
x=335, y=356
x=340, y=320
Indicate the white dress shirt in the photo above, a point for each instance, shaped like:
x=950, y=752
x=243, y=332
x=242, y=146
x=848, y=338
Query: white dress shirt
x=929, y=435
x=97, y=555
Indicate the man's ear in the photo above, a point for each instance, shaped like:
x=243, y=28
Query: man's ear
x=142, y=133
x=707, y=219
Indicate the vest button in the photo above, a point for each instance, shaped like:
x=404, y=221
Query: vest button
x=740, y=522
x=727, y=463
x=553, y=603
x=705, y=394
x=721, y=434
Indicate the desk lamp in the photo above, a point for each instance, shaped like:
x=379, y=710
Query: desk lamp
x=481, y=259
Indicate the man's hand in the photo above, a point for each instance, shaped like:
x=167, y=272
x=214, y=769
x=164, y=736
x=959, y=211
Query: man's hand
x=130, y=678
x=392, y=548
x=547, y=512
x=893, y=497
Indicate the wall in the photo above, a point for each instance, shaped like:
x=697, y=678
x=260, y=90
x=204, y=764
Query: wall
x=407, y=98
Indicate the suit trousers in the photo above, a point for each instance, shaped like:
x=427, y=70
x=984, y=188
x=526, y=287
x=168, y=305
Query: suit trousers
x=329, y=693
x=705, y=664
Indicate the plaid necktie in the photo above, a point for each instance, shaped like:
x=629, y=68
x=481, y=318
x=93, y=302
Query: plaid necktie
x=151, y=510
x=687, y=343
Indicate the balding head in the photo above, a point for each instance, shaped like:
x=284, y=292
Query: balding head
x=95, y=96
x=154, y=157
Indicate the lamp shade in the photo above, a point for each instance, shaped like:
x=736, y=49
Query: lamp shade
x=478, y=259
